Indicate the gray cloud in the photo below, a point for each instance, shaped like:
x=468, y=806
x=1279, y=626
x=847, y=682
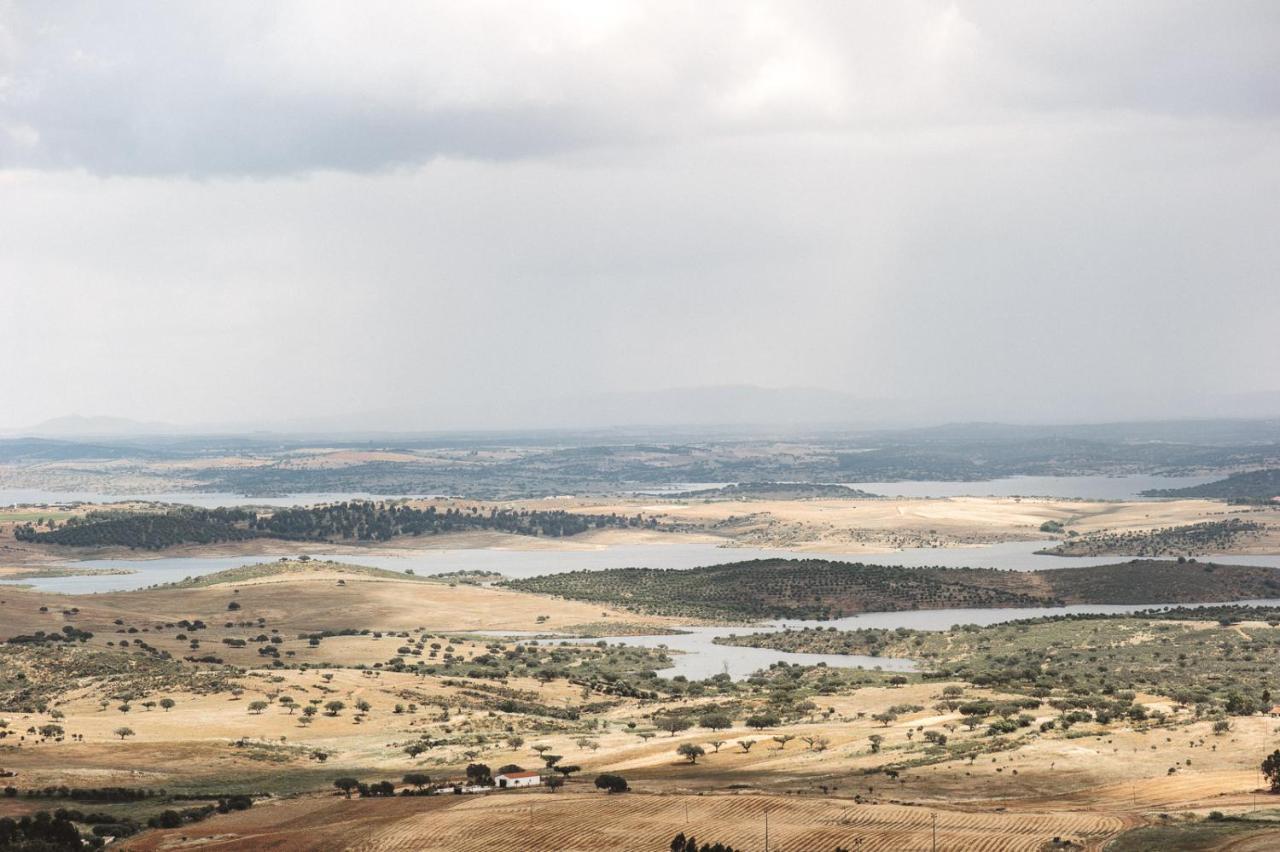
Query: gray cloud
x=252, y=89
x=243, y=211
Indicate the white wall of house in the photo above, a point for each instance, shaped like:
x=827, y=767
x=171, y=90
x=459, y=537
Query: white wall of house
x=529, y=781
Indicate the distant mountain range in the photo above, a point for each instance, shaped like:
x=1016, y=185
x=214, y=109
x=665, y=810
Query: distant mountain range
x=78, y=426
x=716, y=407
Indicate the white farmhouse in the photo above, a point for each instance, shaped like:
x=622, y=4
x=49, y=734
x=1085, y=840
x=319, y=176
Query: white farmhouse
x=518, y=779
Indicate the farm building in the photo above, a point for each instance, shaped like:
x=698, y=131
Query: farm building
x=518, y=779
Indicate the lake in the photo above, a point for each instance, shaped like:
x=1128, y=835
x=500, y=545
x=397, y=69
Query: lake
x=209, y=500
x=1014, y=555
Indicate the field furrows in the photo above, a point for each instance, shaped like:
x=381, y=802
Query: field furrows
x=637, y=822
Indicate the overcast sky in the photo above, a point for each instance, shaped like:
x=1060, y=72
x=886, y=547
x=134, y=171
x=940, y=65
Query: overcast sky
x=231, y=212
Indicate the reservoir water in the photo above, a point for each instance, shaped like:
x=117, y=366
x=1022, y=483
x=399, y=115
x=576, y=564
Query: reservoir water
x=209, y=500
x=1014, y=555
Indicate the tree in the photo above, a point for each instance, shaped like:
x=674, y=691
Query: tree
x=256, y=707
x=551, y=759
x=50, y=731
x=1271, y=770
x=884, y=718
x=479, y=774
x=540, y=748
x=716, y=721
x=817, y=743
x=333, y=708
x=308, y=712
x=417, y=779
x=346, y=785
x=123, y=732
x=611, y=783
x=762, y=721
x=553, y=783
x=715, y=745
x=167, y=704
x=876, y=740
x=674, y=724
x=746, y=745
x=783, y=739
x=690, y=752
x=567, y=769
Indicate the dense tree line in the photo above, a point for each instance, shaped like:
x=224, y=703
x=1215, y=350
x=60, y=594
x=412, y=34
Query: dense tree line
x=818, y=588
x=43, y=832
x=145, y=530
x=1202, y=537
x=869, y=641
x=787, y=588
x=379, y=521
x=355, y=520
x=1250, y=486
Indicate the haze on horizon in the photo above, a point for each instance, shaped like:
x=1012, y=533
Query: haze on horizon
x=455, y=215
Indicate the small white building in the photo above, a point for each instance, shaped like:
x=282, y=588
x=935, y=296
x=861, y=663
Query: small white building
x=518, y=779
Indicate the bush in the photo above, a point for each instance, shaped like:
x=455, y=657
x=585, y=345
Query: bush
x=611, y=783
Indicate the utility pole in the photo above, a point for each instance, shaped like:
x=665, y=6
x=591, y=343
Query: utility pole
x=935, y=830
x=766, y=829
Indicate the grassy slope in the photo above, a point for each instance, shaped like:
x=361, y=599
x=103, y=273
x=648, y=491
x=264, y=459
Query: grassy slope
x=245, y=573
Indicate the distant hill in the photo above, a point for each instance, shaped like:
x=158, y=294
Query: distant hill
x=820, y=588
x=78, y=426
x=1254, y=485
x=776, y=491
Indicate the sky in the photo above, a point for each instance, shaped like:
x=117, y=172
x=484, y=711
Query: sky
x=450, y=214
